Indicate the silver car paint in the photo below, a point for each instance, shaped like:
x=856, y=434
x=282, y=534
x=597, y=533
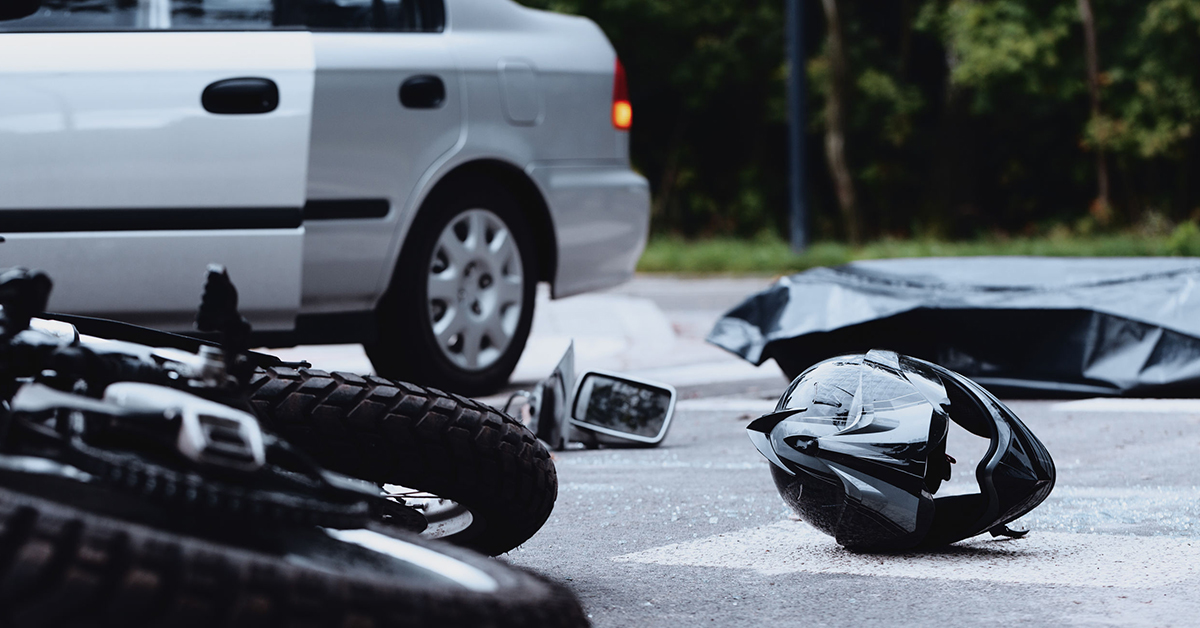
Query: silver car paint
x=524, y=87
x=601, y=223
x=364, y=144
x=80, y=129
x=165, y=270
x=69, y=98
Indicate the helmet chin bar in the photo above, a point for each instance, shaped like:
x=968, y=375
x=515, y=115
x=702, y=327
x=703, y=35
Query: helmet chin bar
x=857, y=447
x=1014, y=477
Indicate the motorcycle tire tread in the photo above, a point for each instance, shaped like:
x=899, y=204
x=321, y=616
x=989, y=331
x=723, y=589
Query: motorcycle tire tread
x=393, y=432
x=63, y=566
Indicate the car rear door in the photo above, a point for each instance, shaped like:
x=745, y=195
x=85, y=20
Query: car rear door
x=388, y=107
x=131, y=156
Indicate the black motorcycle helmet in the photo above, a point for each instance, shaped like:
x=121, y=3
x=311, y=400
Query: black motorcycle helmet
x=857, y=447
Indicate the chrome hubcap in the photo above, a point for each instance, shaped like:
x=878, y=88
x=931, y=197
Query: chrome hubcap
x=475, y=289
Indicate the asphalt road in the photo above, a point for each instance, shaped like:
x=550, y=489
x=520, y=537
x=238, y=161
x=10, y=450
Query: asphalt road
x=693, y=533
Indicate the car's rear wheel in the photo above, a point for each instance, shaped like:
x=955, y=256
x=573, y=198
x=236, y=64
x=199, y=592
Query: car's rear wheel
x=460, y=305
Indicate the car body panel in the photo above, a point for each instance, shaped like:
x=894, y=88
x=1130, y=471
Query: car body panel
x=601, y=222
x=113, y=176
x=122, y=125
x=571, y=62
x=116, y=274
x=366, y=145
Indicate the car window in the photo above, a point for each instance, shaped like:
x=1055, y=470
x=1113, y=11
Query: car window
x=319, y=15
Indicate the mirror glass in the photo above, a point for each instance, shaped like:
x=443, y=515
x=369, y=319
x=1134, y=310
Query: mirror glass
x=621, y=405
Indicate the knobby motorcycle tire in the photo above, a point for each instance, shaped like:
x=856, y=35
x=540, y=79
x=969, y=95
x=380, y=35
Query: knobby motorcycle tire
x=60, y=565
x=392, y=432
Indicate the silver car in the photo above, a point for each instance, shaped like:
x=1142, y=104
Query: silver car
x=400, y=173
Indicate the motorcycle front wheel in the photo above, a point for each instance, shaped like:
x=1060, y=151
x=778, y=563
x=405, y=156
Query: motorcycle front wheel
x=492, y=474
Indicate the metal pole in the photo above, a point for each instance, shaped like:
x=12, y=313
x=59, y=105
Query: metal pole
x=796, y=122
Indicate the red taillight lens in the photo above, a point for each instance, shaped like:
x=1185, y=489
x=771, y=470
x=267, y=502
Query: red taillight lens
x=622, y=111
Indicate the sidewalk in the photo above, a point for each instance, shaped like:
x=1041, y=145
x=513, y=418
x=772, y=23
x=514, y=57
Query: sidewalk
x=652, y=327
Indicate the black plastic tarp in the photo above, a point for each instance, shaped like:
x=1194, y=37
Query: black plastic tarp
x=1021, y=326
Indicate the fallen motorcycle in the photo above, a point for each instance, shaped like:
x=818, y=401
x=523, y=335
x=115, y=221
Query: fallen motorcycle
x=478, y=476
x=135, y=487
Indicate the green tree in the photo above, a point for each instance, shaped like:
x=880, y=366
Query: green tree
x=1153, y=86
x=706, y=79
x=954, y=116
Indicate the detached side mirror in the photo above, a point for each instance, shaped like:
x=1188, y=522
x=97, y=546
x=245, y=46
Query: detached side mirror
x=552, y=399
x=17, y=9
x=613, y=409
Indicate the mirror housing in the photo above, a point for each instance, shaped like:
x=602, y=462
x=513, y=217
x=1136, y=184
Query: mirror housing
x=613, y=409
x=550, y=400
x=17, y=9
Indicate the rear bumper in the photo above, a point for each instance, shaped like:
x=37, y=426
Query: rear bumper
x=601, y=215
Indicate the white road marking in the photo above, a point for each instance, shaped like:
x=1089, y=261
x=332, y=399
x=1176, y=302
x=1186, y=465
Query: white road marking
x=1130, y=406
x=1092, y=560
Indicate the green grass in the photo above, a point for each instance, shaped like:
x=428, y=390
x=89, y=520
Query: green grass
x=771, y=255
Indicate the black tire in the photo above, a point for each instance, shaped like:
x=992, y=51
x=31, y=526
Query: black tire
x=407, y=348
x=63, y=566
x=393, y=432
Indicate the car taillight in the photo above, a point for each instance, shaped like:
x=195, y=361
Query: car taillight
x=622, y=111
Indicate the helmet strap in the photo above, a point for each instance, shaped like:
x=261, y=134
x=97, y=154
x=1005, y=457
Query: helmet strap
x=1004, y=530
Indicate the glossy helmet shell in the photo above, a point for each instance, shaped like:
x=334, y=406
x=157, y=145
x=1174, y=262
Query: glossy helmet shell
x=857, y=448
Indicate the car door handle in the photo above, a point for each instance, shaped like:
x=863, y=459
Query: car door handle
x=423, y=91
x=241, y=95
